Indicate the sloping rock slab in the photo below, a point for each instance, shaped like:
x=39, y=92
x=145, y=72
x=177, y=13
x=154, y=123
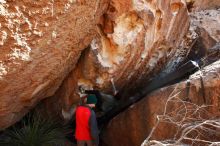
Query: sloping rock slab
x=131, y=127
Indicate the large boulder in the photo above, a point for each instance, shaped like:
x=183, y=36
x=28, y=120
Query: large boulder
x=203, y=34
x=135, y=40
x=40, y=43
x=175, y=106
x=207, y=20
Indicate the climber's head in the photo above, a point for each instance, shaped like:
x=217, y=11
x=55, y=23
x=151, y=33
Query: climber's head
x=91, y=100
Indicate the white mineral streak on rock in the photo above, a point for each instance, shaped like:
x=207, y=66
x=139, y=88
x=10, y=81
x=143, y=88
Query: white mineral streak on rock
x=21, y=41
x=19, y=54
x=19, y=37
x=113, y=86
x=155, y=58
x=24, y=18
x=54, y=34
x=124, y=33
x=52, y=7
x=104, y=60
x=46, y=24
x=45, y=10
x=72, y=1
x=119, y=59
x=99, y=80
x=148, y=39
x=2, y=1
x=3, y=37
x=94, y=45
x=3, y=70
x=66, y=7
x=175, y=7
x=38, y=33
x=109, y=59
x=35, y=25
x=2, y=10
x=192, y=30
x=130, y=75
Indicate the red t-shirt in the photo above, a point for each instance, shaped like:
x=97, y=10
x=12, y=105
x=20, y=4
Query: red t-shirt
x=82, y=123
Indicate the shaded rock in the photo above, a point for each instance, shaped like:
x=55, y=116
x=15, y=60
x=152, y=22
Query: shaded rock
x=40, y=44
x=190, y=102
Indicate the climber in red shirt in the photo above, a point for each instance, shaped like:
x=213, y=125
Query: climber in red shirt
x=86, y=124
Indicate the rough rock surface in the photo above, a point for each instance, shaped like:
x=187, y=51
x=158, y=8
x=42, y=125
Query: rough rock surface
x=135, y=124
x=209, y=20
x=40, y=43
x=135, y=40
x=203, y=34
x=197, y=5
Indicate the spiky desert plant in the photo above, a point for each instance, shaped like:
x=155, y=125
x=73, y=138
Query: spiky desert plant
x=35, y=131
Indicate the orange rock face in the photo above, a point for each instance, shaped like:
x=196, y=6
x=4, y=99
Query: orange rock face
x=184, y=102
x=135, y=40
x=41, y=47
x=40, y=43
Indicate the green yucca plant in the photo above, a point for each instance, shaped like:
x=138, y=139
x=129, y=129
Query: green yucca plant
x=35, y=131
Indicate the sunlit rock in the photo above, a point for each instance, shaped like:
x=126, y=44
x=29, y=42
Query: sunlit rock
x=40, y=43
x=197, y=5
x=203, y=34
